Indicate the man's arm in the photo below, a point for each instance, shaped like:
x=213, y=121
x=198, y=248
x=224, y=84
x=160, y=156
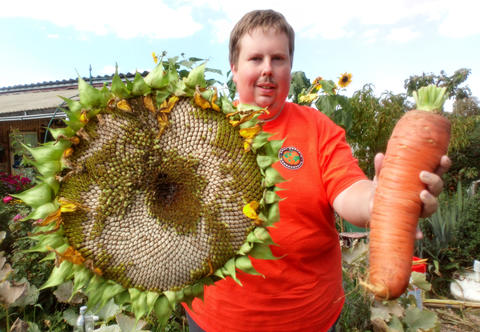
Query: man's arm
x=355, y=203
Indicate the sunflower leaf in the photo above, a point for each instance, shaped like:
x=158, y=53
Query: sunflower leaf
x=119, y=88
x=139, y=302
x=42, y=211
x=162, y=310
x=196, y=77
x=273, y=214
x=90, y=97
x=157, y=78
x=263, y=235
x=48, y=151
x=58, y=132
x=36, y=196
x=261, y=251
x=81, y=279
x=59, y=275
x=244, y=264
x=140, y=87
x=272, y=177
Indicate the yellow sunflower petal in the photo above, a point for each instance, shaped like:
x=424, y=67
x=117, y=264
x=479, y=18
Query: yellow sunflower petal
x=67, y=206
x=167, y=106
x=200, y=101
x=148, y=102
x=250, y=210
x=250, y=132
x=124, y=105
x=68, y=152
x=84, y=117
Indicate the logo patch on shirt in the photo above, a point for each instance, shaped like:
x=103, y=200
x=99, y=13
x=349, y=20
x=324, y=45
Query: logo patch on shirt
x=290, y=157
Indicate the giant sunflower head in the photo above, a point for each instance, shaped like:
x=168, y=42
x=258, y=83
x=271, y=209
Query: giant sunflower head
x=155, y=188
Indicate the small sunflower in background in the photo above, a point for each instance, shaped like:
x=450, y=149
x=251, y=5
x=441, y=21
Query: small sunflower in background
x=316, y=83
x=345, y=80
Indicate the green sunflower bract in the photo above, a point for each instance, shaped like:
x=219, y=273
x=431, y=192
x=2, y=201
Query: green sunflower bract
x=154, y=189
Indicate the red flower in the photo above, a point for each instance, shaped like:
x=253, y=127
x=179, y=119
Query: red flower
x=7, y=199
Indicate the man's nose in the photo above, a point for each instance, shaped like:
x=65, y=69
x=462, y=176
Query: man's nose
x=267, y=67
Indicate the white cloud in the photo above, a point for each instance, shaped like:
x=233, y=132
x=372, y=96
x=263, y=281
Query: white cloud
x=174, y=19
x=371, y=35
x=125, y=19
x=402, y=35
x=107, y=70
x=53, y=36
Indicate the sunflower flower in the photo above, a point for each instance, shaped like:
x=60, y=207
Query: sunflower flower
x=151, y=202
x=345, y=80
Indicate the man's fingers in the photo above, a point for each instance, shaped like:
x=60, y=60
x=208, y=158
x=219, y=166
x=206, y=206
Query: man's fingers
x=378, y=163
x=430, y=203
x=433, y=182
x=444, y=166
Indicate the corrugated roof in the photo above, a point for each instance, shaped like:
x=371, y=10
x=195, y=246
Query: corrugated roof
x=33, y=100
x=40, y=100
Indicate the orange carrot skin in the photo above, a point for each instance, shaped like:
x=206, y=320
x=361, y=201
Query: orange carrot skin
x=418, y=142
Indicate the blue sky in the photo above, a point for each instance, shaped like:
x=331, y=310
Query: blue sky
x=380, y=42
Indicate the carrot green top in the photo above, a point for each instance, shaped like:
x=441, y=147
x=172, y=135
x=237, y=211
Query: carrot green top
x=430, y=98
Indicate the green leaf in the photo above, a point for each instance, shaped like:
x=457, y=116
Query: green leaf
x=244, y=264
x=420, y=280
x=326, y=104
x=263, y=235
x=230, y=268
x=36, y=196
x=162, y=310
x=271, y=197
x=157, y=78
x=90, y=97
x=111, y=290
x=59, y=275
x=48, y=151
x=51, y=181
x=260, y=140
x=266, y=161
x=74, y=106
x=261, y=251
x=42, y=211
x=49, y=167
x=119, y=88
x=140, y=87
x=272, y=177
x=417, y=319
x=273, y=214
x=395, y=325
x=58, y=132
x=196, y=77
x=81, y=278
x=139, y=302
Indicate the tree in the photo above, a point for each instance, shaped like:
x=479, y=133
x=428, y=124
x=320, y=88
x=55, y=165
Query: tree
x=452, y=83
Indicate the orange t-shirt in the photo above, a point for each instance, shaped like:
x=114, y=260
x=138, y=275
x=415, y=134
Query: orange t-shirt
x=301, y=291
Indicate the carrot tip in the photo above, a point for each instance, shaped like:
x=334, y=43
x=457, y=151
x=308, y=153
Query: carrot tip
x=380, y=291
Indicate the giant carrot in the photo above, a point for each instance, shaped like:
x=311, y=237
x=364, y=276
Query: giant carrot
x=418, y=141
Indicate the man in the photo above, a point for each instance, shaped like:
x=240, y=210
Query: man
x=301, y=291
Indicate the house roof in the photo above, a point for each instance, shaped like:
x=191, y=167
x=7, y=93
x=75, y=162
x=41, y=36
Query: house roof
x=42, y=100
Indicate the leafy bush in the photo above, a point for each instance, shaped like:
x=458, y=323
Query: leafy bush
x=451, y=238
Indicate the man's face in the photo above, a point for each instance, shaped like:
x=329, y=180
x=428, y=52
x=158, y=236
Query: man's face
x=262, y=73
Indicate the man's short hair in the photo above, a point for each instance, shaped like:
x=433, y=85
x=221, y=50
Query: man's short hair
x=265, y=19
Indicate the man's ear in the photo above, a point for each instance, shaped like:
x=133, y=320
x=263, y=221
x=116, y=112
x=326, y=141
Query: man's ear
x=233, y=69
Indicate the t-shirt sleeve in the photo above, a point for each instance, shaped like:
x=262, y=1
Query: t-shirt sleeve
x=339, y=168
